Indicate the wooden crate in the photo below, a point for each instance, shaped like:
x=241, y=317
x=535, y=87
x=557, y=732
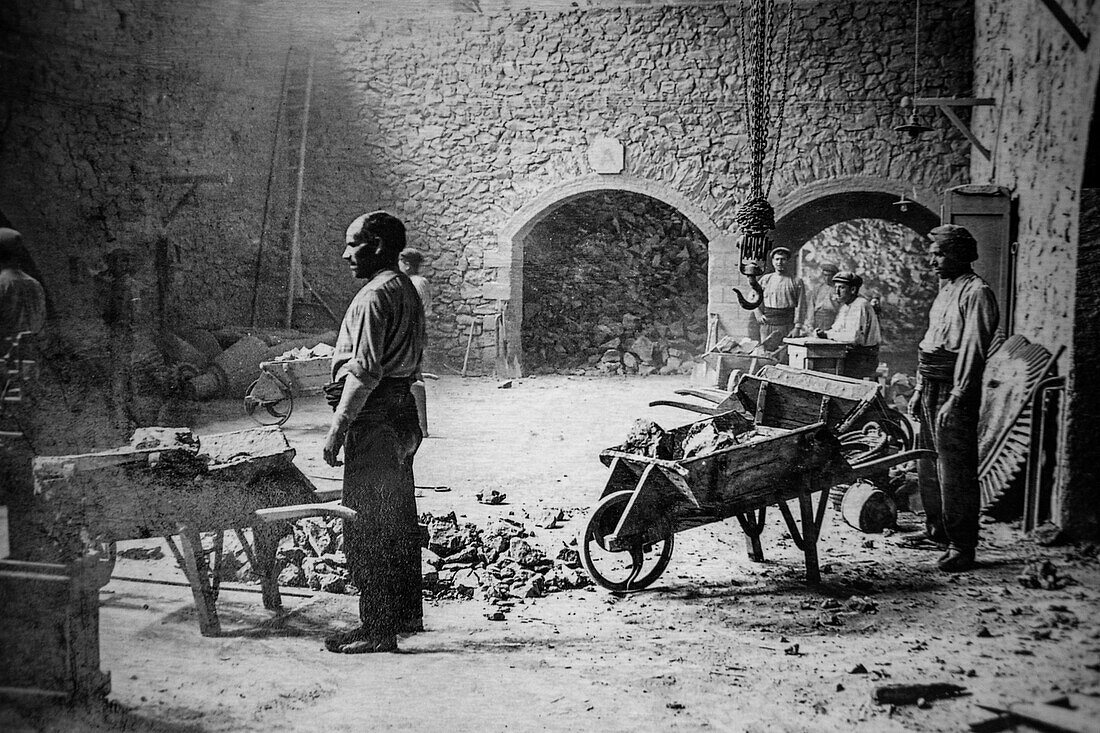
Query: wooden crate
x=49, y=632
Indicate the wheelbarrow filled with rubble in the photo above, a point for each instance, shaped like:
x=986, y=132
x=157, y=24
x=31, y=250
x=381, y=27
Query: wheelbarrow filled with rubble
x=664, y=482
x=269, y=400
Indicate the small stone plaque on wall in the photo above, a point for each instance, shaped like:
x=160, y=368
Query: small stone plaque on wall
x=605, y=155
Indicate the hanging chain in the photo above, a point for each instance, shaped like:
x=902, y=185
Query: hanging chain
x=916, y=52
x=780, y=115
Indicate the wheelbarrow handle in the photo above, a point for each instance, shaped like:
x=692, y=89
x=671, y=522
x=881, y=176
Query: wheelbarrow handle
x=300, y=511
x=685, y=406
x=870, y=467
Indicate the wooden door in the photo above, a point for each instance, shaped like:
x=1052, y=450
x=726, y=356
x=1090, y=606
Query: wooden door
x=987, y=212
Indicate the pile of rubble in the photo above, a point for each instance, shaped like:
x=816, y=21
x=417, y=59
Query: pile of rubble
x=496, y=564
x=647, y=438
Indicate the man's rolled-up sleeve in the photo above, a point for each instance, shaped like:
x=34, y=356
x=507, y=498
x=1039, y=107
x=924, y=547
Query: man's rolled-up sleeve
x=366, y=361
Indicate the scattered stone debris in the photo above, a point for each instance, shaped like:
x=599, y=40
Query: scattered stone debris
x=1043, y=574
x=858, y=669
x=496, y=564
x=491, y=497
x=1049, y=535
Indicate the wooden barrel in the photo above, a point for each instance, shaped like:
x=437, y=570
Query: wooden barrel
x=868, y=508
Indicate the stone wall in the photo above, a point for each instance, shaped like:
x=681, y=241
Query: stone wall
x=483, y=123
x=1045, y=88
x=151, y=129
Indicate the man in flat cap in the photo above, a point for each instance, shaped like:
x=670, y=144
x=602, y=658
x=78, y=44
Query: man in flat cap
x=822, y=304
x=856, y=324
x=376, y=360
x=784, y=303
x=947, y=398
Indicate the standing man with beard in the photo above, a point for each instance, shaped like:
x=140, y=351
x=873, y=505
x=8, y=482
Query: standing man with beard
x=948, y=396
x=377, y=358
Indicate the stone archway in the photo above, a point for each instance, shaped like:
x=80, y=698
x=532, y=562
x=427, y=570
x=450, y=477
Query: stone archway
x=812, y=209
x=509, y=257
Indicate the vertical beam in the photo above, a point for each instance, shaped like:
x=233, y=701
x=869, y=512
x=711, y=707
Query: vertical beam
x=294, y=284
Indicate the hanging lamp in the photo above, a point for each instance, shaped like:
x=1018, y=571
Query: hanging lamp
x=755, y=217
x=913, y=127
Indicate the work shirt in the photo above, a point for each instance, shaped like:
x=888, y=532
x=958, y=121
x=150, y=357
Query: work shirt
x=856, y=323
x=822, y=307
x=22, y=303
x=962, y=321
x=382, y=334
x=784, y=292
x=424, y=290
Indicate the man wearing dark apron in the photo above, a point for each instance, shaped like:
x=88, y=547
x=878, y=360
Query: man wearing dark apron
x=377, y=358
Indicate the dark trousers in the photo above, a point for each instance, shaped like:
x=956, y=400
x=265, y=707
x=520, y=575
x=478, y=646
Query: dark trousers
x=383, y=546
x=949, y=486
x=861, y=362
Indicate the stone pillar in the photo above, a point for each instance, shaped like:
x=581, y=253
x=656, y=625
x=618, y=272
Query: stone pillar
x=724, y=275
x=1077, y=510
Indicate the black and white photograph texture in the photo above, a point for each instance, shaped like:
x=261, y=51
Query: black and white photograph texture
x=549, y=365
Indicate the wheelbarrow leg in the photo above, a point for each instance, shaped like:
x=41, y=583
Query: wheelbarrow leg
x=809, y=533
x=192, y=561
x=812, y=517
x=265, y=538
x=753, y=525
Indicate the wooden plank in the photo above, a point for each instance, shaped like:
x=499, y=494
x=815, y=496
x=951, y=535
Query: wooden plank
x=299, y=511
x=954, y=102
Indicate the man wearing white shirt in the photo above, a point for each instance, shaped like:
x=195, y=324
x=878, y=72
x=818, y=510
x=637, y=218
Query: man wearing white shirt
x=856, y=324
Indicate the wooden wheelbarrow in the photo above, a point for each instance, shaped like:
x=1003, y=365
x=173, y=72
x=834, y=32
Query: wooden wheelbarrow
x=629, y=537
x=169, y=483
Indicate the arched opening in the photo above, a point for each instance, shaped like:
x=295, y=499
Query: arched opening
x=874, y=234
x=893, y=262
x=613, y=282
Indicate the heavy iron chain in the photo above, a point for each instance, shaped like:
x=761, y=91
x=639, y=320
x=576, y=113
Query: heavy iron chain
x=755, y=215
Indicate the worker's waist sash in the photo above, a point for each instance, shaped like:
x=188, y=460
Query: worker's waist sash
x=778, y=315
x=938, y=365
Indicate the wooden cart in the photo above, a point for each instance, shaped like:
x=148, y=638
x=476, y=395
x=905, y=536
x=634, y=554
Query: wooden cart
x=270, y=399
x=162, y=486
x=629, y=537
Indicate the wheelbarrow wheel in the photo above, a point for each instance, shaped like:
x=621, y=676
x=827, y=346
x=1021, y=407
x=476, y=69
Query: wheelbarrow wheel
x=630, y=569
x=268, y=401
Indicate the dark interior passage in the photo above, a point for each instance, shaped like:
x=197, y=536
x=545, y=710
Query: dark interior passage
x=614, y=272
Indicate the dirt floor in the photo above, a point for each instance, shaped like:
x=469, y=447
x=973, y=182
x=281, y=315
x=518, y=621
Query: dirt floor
x=718, y=643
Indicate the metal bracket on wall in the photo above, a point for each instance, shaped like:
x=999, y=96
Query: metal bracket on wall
x=1078, y=36
x=945, y=105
